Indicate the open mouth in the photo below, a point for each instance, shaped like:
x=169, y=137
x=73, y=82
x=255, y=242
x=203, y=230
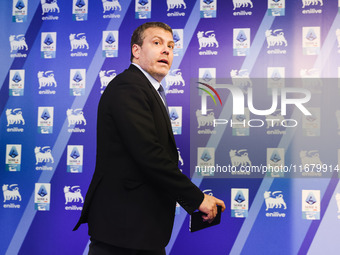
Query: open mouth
x=163, y=61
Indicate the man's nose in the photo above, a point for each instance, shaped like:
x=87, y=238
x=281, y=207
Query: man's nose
x=165, y=50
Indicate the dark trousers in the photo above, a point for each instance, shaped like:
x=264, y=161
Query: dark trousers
x=100, y=248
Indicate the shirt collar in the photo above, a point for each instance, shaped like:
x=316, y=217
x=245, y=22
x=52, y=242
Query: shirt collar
x=152, y=80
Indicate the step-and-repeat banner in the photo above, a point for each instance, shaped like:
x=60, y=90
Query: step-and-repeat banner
x=254, y=100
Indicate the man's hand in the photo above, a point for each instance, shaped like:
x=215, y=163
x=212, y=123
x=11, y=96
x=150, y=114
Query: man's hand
x=209, y=207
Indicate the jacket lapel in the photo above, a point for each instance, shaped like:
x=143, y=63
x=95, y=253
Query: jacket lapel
x=160, y=103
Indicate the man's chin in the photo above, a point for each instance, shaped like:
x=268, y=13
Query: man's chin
x=163, y=73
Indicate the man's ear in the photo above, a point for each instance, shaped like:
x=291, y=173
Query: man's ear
x=136, y=51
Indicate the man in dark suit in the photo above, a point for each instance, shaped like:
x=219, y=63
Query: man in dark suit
x=130, y=204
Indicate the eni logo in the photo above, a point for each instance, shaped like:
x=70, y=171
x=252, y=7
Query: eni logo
x=208, y=92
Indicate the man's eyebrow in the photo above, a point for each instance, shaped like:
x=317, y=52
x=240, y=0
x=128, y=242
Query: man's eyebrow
x=160, y=38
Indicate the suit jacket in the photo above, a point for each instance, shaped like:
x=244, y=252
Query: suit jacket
x=132, y=196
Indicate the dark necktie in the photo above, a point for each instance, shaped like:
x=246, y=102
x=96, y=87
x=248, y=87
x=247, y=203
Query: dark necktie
x=162, y=93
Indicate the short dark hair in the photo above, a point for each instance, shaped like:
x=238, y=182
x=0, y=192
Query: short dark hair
x=138, y=35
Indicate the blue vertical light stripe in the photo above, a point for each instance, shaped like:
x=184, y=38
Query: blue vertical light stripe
x=256, y=46
x=86, y=251
x=327, y=226
x=62, y=140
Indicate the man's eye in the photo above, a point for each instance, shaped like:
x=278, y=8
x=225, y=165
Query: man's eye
x=157, y=43
x=171, y=46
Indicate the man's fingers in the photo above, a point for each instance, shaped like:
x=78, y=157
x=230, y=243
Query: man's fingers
x=207, y=218
x=221, y=203
x=209, y=207
x=214, y=211
x=211, y=215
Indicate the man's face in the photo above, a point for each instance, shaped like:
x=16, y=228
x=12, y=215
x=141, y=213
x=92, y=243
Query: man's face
x=156, y=54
